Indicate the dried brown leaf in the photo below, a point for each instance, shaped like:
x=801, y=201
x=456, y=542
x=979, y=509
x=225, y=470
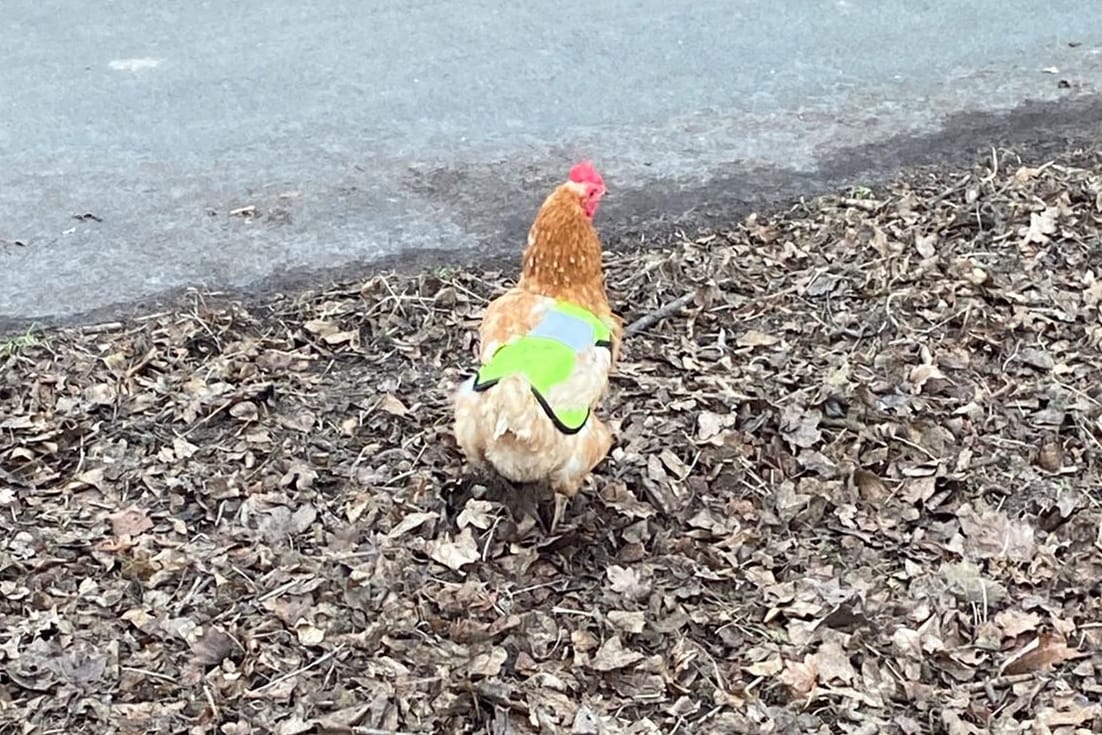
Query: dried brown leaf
x=627, y=581
x=799, y=677
x=488, y=663
x=801, y=427
x=1042, y=653
x=455, y=554
x=210, y=648
x=755, y=338
x=992, y=534
x=132, y=521
x=629, y=622
x=612, y=655
x=1015, y=622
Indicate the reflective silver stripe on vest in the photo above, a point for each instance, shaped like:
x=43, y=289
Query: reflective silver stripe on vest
x=572, y=331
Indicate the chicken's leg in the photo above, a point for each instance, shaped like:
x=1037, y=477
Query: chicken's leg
x=561, y=501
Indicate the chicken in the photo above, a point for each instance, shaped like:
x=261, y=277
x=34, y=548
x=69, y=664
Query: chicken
x=547, y=347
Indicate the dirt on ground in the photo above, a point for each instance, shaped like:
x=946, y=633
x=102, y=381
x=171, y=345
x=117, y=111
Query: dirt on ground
x=855, y=490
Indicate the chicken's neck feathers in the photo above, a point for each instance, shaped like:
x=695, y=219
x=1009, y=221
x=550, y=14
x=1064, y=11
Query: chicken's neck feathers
x=563, y=258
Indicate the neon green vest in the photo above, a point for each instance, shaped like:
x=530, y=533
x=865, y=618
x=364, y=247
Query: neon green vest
x=546, y=356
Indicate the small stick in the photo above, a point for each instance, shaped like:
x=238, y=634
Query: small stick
x=101, y=328
x=998, y=682
x=649, y=320
x=868, y=205
x=312, y=665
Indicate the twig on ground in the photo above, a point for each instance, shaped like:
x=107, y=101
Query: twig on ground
x=867, y=205
x=649, y=320
x=961, y=185
x=998, y=682
x=312, y=665
x=101, y=328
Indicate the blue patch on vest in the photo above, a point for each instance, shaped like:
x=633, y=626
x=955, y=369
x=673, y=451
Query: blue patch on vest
x=568, y=329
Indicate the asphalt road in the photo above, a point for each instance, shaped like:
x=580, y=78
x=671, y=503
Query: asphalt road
x=362, y=134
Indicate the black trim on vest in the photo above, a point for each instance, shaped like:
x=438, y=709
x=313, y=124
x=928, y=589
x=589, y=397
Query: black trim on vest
x=479, y=387
x=555, y=419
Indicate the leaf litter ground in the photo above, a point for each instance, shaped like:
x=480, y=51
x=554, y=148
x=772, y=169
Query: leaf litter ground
x=856, y=489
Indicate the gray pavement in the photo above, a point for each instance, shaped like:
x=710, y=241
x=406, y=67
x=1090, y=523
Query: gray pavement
x=364, y=134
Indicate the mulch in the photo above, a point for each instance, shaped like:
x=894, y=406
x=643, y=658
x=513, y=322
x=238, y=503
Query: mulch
x=855, y=490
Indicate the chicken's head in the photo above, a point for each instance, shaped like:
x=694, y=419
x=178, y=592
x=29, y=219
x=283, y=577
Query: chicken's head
x=593, y=186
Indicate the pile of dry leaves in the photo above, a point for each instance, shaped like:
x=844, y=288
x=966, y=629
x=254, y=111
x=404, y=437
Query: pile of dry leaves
x=855, y=490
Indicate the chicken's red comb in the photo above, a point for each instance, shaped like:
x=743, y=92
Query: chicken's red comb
x=584, y=173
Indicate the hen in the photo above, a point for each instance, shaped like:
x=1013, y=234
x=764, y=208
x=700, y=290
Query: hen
x=547, y=346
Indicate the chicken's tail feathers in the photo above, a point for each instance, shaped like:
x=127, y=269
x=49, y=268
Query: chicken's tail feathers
x=513, y=409
x=506, y=428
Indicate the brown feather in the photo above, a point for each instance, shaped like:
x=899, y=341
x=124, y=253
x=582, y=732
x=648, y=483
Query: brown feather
x=563, y=258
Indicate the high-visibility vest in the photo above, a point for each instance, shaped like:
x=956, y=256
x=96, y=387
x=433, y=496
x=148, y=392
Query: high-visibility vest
x=547, y=356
